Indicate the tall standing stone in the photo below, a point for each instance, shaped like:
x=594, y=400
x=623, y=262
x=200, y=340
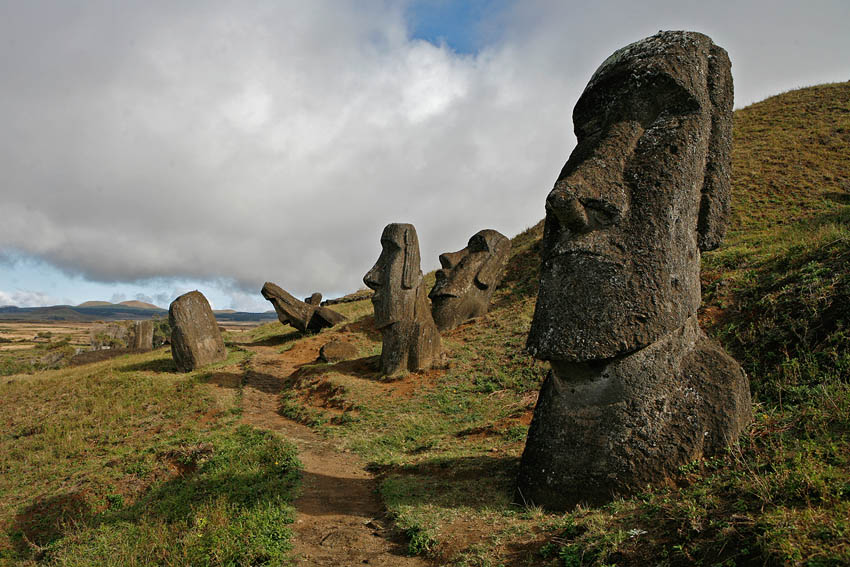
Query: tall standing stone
x=636, y=389
x=410, y=337
x=195, y=338
x=143, y=335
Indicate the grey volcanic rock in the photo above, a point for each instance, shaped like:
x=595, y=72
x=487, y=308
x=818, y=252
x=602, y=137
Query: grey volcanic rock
x=306, y=317
x=636, y=390
x=410, y=337
x=608, y=428
x=337, y=350
x=143, y=335
x=465, y=284
x=195, y=338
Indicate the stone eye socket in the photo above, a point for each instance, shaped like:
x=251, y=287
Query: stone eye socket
x=390, y=245
x=601, y=213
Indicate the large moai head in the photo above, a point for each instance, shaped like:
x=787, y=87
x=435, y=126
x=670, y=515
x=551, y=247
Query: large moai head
x=396, y=275
x=468, y=277
x=645, y=190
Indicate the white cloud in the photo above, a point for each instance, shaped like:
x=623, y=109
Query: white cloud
x=22, y=298
x=247, y=142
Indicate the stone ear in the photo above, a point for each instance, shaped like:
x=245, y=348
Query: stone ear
x=411, y=274
x=491, y=272
x=716, y=189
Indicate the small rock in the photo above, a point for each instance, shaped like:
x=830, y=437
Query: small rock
x=337, y=350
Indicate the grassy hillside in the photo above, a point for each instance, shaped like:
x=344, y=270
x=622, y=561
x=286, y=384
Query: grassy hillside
x=447, y=441
x=126, y=462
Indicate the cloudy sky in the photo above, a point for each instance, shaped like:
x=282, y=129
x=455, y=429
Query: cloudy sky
x=148, y=148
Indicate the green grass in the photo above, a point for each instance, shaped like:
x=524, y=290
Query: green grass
x=126, y=462
x=446, y=442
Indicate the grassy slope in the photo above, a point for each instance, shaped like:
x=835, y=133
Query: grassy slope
x=127, y=462
x=90, y=457
x=776, y=294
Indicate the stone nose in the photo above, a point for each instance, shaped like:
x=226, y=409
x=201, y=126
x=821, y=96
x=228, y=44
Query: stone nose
x=565, y=205
x=449, y=260
x=372, y=279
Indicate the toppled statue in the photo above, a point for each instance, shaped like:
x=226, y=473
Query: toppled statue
x=636, y=388
x=468, y=278
x=306, y=317
x=195, y=338
x=410, y=337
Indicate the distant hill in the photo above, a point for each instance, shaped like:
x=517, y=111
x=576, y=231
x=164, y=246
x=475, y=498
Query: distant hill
x=105, y=311
x=139, y=304
x=94, y=304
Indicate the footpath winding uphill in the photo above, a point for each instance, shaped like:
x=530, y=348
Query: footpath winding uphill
x=339, y=515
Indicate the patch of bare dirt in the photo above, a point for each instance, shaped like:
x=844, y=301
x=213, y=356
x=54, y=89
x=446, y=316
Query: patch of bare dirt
x=340, y=519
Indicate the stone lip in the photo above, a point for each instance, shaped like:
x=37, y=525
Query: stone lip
x=306, y=317
x=464, y=286
x=609, y=428
x=195, y=337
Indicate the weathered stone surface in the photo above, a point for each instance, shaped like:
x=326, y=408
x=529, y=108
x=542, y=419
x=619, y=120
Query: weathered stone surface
x=195, y=338
x=337, y=350
x=606, y=428
x=468, y=277
x=636, y=390
x=314, y=299
x=305, y=317
x=143, y=335
x=621, y=244
x=410, y=337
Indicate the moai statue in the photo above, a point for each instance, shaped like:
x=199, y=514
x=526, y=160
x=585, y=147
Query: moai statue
x=636, y=389
x=195, y=338
x=411, y=340
x=314, y=299
x=468, y=278
x=306, y=316
x=143, y=335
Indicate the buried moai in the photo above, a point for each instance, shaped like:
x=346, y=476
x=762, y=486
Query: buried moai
x=143, y=335
x=636, y=389
x=306, y=316
x=195, y=337
x=465, y=284
x=410, y=337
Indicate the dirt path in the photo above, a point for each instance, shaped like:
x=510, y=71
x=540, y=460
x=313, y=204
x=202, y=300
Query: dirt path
x=340, y=519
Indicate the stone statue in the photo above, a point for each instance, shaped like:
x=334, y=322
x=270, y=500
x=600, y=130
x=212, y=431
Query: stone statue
x=195, y=338
x=468, y=278
x=143, y=335
x=314, y=299
x=307, y=317
x=410, y=338
x=636, y=389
